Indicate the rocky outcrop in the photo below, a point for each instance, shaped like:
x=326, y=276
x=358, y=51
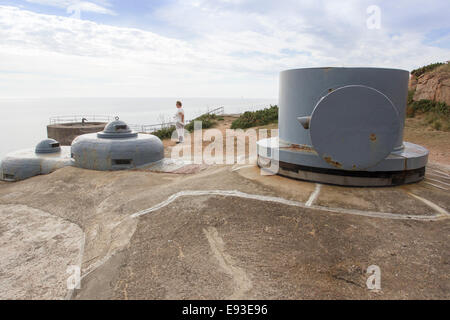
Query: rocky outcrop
x=432, y=86
x=412, y=83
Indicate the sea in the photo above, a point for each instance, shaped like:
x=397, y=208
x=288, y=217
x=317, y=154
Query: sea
x=24, y=121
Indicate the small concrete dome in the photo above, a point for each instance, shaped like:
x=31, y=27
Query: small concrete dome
x=45, y=158
x=116, y=148
x=117, y=126
x=48, y=146
x=116, y=129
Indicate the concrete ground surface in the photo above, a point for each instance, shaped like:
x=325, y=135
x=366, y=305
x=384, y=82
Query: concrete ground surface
x=222, y=232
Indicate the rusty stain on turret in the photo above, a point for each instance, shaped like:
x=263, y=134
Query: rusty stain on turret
x=333, y=163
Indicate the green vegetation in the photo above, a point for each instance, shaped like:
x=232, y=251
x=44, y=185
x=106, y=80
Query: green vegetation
x=437, y=114
x=425, y=106
x=420, y=71
x=164, y=133
x=410, y=96
x=256, y=118
x=208, y=121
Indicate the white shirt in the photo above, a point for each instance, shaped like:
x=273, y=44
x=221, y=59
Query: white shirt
x=179, y=114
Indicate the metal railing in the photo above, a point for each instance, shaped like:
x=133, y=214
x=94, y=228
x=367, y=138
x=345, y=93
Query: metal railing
x=149, y=128
x=217, y=111
x=144, y=128
x=79, y=118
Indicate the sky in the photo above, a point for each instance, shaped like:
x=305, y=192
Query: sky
x=198, y=48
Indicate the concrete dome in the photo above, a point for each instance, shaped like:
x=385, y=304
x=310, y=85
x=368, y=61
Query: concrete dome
x=116, y=129
x=116, y=148
x=48, y=146
x=45, y=158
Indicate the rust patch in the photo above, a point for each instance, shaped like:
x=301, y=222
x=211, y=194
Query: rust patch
x=333, y=163
x=298, y=147
x=373, y=137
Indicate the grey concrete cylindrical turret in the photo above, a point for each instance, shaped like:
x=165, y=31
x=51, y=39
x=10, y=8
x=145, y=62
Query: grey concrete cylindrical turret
x=301, y=90
x=343, y=126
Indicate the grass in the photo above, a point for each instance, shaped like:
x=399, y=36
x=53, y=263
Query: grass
x=437, y=114
x=256, y=118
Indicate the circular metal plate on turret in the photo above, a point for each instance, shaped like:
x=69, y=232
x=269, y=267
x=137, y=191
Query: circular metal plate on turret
x=354, y=127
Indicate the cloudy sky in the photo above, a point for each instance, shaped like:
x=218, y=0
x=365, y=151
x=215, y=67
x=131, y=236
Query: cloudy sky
x=199, y=48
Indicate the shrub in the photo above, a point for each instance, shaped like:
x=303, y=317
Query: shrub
x=425, y=106
x=437, y=113
x=410, y=96
x=164, y=133
x=208, y=121
x=256, y=118
x=410, y=112
x=437, y=125
x=420, y=71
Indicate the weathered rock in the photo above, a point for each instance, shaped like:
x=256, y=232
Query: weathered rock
x=433, y=86
x=412, y=83
x=443, y=91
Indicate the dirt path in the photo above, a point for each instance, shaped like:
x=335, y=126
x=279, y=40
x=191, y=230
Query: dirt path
x=437, y=142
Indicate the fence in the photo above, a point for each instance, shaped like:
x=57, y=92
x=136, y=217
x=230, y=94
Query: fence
x=79, y=118
x=149, y=128
x=145, y=128
x=217, y=111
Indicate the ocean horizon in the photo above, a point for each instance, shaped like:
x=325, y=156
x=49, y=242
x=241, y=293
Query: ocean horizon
x=25, y=120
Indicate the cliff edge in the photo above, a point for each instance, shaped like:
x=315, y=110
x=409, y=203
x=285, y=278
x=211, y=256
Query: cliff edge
x=431, y=82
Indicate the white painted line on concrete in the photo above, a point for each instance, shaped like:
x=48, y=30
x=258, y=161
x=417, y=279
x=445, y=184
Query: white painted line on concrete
x=437, y=175
x=439, y=181
x=436, y=186
x=239, y=168
x=234, y=193
x=432, y=205
x=441, y=172
x=96, y=265
x=313, y=195
x=240, y=278
x=442, y=214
